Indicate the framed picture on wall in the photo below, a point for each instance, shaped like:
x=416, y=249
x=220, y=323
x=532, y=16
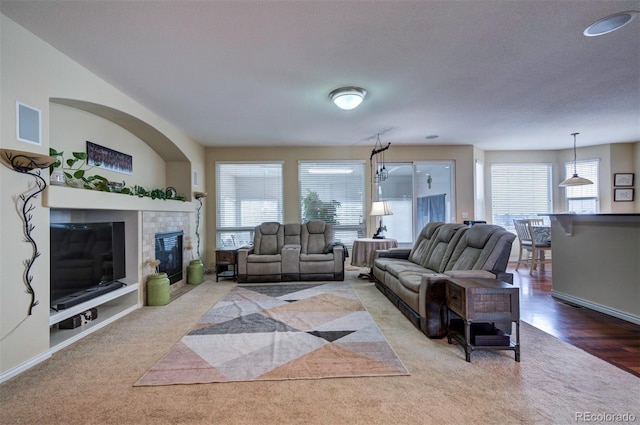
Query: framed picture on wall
x=623, y=195
x=623, y=179
x=109, y=159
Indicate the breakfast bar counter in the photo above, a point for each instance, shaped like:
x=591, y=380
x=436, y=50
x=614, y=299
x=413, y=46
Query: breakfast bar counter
x=596, y=263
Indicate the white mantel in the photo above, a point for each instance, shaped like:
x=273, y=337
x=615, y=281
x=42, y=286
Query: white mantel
x=71, y=198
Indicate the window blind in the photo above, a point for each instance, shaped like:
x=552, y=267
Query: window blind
x=519, y=191
x=247, y=194
x=334, y=191
x=583, y=199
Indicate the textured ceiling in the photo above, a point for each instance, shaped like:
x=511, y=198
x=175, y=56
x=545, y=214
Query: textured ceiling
x=496, y=74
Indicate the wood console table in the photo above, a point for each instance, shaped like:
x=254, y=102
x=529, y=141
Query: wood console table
x=483, y=301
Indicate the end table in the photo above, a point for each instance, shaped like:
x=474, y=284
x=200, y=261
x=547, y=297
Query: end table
x=226, y=263
x=363, y=250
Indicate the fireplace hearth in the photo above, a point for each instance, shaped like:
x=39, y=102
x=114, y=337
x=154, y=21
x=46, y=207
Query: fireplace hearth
x=169, y=252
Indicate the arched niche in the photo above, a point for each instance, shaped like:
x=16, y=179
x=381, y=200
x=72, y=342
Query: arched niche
x=179, y=163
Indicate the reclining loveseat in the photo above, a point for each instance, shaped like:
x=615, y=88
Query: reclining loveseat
x=414, y=280
x=291, y=252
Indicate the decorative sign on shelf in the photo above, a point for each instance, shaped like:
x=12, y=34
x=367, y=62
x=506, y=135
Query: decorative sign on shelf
x=109, y=159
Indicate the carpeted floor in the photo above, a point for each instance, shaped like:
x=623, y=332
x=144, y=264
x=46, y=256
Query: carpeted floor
x=92, y=381
x=279, y=331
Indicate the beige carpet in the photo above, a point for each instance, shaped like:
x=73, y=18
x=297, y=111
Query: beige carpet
x=91, y=382
x=277, y=332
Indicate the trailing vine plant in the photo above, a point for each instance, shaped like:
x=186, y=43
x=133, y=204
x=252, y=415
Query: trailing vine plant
x=76, y=168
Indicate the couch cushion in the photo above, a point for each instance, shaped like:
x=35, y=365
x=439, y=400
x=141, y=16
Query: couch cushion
x=316, y=235
x=421, y=246
x=411, y=281
x=402, y=267
x=382, y=262
x=316, y=257
x=482, y=247
x=292, y=233
x=442, y=246
x=264, y=258
x=268, y=238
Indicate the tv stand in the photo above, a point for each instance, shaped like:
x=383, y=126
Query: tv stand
x=112, y=305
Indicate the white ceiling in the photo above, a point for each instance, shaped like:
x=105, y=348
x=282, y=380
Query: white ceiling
x=496, y=74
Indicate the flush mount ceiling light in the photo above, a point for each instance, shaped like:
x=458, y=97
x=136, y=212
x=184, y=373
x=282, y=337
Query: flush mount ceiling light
x=575, y=180
x=348, y=97
x=609, y=24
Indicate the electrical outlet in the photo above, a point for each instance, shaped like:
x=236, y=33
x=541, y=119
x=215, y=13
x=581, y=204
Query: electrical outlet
x=465, y=215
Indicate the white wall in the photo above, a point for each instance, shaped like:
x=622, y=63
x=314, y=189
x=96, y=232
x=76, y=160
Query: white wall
x=71, y=128
x=33, y=72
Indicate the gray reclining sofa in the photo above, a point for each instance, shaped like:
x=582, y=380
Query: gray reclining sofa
x=414, y=280
x=291, y=252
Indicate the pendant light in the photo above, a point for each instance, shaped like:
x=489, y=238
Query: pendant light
x=575, y=180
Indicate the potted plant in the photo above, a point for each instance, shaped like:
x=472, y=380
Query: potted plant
x=74, y=171
x=316, y=209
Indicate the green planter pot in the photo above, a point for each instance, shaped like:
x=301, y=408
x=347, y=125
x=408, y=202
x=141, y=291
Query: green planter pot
x=158, y=289
x=195, y=272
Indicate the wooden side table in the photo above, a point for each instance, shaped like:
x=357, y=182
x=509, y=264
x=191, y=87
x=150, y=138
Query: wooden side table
x=227, y=263
x=363, y=250
x=483, y=302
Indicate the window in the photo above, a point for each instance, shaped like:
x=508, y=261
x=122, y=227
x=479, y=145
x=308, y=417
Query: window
x=334, y=192
x=247, y=194
x=583, y=199
x=519, y=191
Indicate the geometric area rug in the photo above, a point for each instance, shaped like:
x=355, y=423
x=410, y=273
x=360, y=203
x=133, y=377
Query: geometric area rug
x=279, y=332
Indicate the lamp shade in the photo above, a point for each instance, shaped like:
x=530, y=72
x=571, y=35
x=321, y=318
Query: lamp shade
x=348, y=97
x=575, y=180
x=379, y=208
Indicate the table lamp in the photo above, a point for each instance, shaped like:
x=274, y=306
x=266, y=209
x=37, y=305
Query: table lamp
x=380, y=209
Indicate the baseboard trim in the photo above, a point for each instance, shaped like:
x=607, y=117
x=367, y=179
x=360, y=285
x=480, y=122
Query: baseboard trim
x=597, y=307
x=22, y=367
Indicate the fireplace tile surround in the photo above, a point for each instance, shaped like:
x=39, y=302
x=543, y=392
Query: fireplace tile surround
x=160, y=222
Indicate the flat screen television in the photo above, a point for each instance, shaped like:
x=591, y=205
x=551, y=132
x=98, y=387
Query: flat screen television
x=87, y=259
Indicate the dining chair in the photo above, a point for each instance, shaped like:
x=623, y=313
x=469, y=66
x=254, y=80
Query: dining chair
x=539, y=245
x=532, y=253
x=536, y=221
x=525, y=241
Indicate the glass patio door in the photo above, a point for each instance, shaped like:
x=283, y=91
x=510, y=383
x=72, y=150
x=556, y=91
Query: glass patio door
x=418, y=193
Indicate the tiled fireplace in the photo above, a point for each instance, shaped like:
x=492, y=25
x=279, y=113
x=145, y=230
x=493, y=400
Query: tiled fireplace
x=154, y=222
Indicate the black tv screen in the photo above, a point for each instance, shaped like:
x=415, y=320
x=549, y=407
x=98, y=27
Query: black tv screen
x=85, y=255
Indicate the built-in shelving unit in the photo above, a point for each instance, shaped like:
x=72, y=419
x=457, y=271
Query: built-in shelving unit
x=111, y=307
x=67, y=203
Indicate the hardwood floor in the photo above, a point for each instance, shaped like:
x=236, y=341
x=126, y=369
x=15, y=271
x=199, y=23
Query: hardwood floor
x=613, y=340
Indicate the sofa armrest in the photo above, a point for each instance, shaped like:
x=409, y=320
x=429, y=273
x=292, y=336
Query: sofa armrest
x=243, y=253
x=401, y=253
x=489, y=274
x=470, y=274
x=504, y=276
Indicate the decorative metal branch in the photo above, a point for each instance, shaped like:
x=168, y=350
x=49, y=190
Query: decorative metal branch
x=199, y=196
x=198, y=225
x=29, y=163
